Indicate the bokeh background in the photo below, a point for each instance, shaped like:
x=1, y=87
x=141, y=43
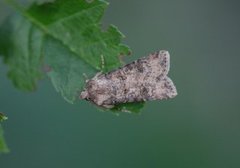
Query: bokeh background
x=200, y=128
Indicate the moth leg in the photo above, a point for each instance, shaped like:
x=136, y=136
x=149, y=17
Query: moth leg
x=102, y=63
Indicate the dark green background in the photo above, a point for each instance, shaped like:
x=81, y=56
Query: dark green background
x=200, y=128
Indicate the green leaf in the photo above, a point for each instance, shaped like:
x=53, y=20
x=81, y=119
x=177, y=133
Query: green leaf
x=66, y=70
x=3, y=146
x=76, y=23
x=20, y=43
x=66, y=39
x=129, y=107
x=2, y=117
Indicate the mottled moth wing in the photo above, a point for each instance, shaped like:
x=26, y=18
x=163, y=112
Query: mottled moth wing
x=142, y=80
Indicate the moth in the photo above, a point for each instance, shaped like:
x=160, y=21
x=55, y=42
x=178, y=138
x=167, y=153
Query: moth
x=142, y=80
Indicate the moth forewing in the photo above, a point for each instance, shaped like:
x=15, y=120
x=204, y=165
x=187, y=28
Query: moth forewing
x=142, y=80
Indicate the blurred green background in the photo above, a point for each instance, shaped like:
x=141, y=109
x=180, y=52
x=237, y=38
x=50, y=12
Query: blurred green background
x=200, y=128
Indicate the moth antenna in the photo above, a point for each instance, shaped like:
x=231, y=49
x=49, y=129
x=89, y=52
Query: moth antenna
x=86, y=77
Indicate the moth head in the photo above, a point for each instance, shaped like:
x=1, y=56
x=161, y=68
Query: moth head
x=96, y=92
x=84, y=94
